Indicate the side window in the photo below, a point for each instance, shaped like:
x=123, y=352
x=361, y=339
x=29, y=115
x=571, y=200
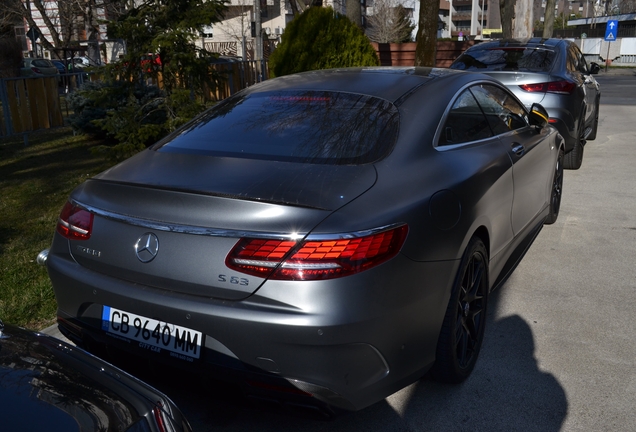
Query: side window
x=504, y=113
x=581, y=63
x=465, y=122
x=573, y=61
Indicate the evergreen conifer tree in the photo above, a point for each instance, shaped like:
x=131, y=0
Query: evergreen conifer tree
x=321, y=39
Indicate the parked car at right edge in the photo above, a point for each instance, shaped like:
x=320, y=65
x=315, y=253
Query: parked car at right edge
x=552, y=72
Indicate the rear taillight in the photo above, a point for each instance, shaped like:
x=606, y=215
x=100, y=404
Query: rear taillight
x=158, y=414
x=559, y=87
x=532, y=88
x=315, y=259
x=75, y=223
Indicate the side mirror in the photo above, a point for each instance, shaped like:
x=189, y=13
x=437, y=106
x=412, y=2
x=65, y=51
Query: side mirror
x=594, y=68
x=538, y=116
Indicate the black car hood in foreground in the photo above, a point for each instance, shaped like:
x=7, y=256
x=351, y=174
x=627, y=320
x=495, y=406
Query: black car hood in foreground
x=318, y=186
x=48, y=385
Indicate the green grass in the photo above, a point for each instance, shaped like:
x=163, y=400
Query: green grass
x=34, y=184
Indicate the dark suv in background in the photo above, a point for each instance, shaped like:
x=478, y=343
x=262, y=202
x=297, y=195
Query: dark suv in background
x=552, y=72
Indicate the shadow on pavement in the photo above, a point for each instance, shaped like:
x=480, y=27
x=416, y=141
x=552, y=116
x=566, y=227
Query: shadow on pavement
x=507, y=391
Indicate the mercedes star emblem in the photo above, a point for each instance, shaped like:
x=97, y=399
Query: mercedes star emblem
x=147, y=247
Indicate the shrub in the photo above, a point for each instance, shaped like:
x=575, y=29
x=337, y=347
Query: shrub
x=96, y=101
x=131, y=115
x=321, y=39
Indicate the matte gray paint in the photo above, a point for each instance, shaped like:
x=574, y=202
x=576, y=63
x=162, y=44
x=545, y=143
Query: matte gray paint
x=340, y=334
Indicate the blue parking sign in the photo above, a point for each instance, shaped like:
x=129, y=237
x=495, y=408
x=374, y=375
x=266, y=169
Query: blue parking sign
x=611, y=30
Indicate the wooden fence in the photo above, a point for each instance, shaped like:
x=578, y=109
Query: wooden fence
x=235, y=76
x=29, y=104
x=404, y=54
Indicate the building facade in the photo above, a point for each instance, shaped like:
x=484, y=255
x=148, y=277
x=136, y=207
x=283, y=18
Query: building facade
x=64, y=29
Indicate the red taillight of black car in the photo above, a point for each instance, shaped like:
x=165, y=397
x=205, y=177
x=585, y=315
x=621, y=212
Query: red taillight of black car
x=315, y=259
x=158, y=415
x=75, y=223
x=558, y=87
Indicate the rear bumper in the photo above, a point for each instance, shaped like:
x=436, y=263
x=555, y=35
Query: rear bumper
x=347, y=343
x=563, y=121
x=254, y=383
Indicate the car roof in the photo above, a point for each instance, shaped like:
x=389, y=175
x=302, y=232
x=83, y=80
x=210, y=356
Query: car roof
x=29, y=60
x=388, y=83
x=535, y=42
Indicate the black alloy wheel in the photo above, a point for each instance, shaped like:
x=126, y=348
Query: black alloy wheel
x=462, y=332
x=557, y=190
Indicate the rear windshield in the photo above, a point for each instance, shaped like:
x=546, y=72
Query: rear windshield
x=300, y=126
x=42, y=63
x=506, y=59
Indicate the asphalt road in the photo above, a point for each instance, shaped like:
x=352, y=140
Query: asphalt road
x=559, y=352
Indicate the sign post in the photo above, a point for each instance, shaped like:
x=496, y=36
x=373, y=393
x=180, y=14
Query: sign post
x=611, y=30
x=34, y=34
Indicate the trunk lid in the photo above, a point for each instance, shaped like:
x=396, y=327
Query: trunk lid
x=190, y=211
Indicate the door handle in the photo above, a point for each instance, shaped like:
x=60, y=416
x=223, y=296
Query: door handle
x=518, y=149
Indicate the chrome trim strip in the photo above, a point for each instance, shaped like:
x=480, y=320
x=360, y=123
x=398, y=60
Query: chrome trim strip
x=217, y=232
x=186, y=229
x=355, y=234
x=257, y=263
x=72, y=227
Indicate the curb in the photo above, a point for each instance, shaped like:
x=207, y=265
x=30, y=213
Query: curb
x=56, y=333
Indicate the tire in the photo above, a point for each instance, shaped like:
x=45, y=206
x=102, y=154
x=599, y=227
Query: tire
x=556, y=191
x=574, y=158
x=592, y=135
x=463, y=328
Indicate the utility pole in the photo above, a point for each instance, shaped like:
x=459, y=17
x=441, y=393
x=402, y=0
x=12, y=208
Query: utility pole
x=474, y=20
x=482, y=20
x=258, y=41
x=450, y=19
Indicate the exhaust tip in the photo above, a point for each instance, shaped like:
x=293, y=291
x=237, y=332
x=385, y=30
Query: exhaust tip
x=42, y=257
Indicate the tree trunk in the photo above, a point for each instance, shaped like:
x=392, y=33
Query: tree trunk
x=427, y=33
x=294, y=7
x=507, y=11
x=354, y=11
x=548, y=19
x=523, y=22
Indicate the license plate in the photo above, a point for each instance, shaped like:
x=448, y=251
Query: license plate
x=152, y=334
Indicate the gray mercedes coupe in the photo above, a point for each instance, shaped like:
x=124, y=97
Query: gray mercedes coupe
x=324, y=238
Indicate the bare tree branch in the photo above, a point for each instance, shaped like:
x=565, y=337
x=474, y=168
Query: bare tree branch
x=389, y=22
